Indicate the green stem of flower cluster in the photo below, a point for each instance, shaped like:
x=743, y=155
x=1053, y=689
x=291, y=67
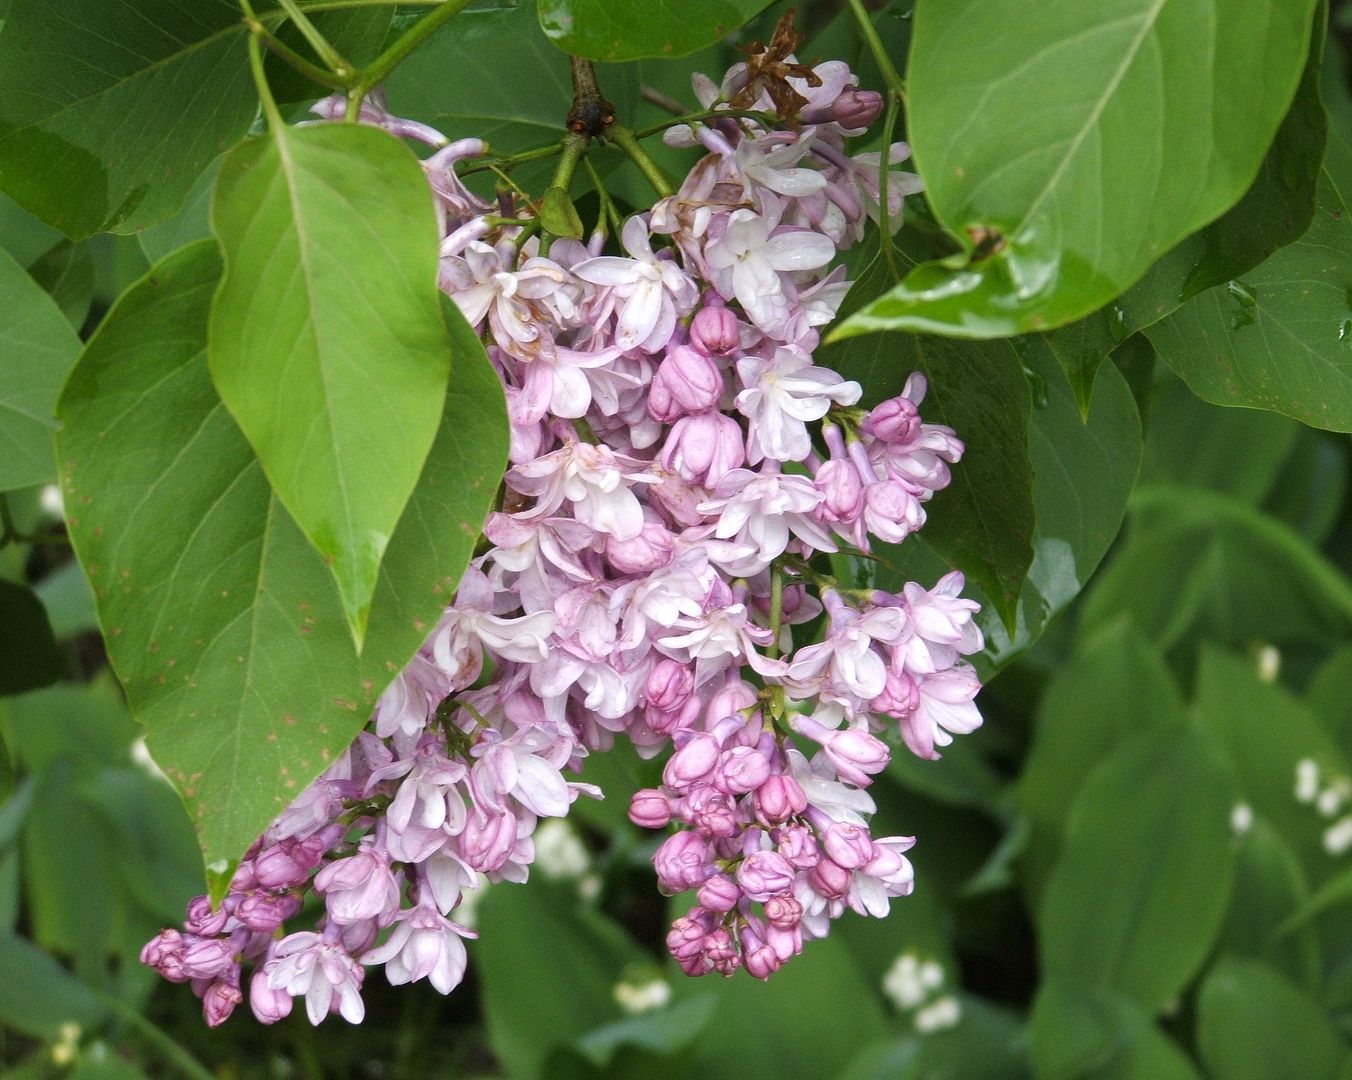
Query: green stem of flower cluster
x=627, y=141
x=376, y=71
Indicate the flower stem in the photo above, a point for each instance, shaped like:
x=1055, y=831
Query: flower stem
x=776, y=608
x=896, y=85
x=376, y=71
x=321, y=45
x=626, y=140
x=885, y=243
x=260, y=77
x=310, y=70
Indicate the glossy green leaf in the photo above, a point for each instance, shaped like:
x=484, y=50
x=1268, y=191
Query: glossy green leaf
x=71, y=74
x=190, y=223
x=1280, y=338
x=66, y=272
x=1328, y=697
x=1115, y=685
x=527, y=1015
x=987, y=1043
x=617, y=30
x=1152, y=118
x=29, y=656
x=39, y=347
x=1265, y=731
x=1080, y=348
x=327, y=342
x=1199, y=563
x=1080, y=1034
x=1253, y=1024
x=1151, y=824
x=558, y=215
x=983, y=522
x=220, y=619
x=38, y=995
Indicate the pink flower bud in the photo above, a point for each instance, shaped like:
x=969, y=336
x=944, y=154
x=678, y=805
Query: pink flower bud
x=220, y=1000
x=683, y=862
x=895, y=421
x=202, y=920
x=687, y=381
x=359, y=887
x=900, y=697
x=648, y=551
x=264, y=912
x=849, y=845
x=714, y=331
x=164, y=952
x=741, y=769
x=764, y=874
x=829, y=879
x=856, y=108
x=282, y=866
x=758, y=957
x=487, y=840
x=799, y=847
x=649, y=809
x=704, y=448
x=783, y=912
x=208, y=958
x=778, y=799
x=719, y=893
x=694, y=761
x=711, y=812
x=843, y=491
x=268, y=1005
x=857, y=755
x=720, y=952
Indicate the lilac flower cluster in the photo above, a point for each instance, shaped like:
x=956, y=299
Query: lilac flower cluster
x=677, y=461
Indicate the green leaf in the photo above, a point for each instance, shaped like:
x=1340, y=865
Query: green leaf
x=191, y=222
x=558, y=215
x=29, y=656
x=1281, y=338
x=66, y=272
x=1253, y=1024
x=1150, y=825
x=527, y=1015
x=1079, y=1034
x=327, y=341
x=986, y=1043
x=220, y=619
x=1198, y=563
x=38, y=995
x=983, y=522
x=1264, y=732
x=71, y=74
x=1080, y=348
x=617, y=30
x=1111, y=688
x=39, y=347
x=1152, y=118
x=1328, y=697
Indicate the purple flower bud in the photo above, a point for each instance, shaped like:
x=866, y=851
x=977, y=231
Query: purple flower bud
x=829, y=879
x=741, y=769
x=687, y=936
x=220, y=1000
x=648, y=551
x=704, y=448
x=282, y=866
x=649, y=809
x=763, y=874
x=843, y=491
x=900, y=697
x=264, y=912
x=207, y=958
x=798, y=846
x=683, y=862
x=719, y=893
x=694, y=761
x=164, y=953
x=268, y=1005
x=359, y=887
x=895, y=421
x=487, y=841
x=720, y=952
x=857, y=755
x=849, y=845
x=687, y=381
x=202, y=920
x=711, y=812
x=714, y=331
x=667, y=697
x=758, y=958
x=856, y=108
x=778, y=799
x=783, y=912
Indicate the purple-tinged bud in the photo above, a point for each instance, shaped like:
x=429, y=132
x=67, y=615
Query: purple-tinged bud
x=220, y=1000
x=359, y=887
x=268, y=1005
x=207, y=958
x=650, y=809
x=829, y=879
x=202, y=920
x=487, y=841
x=758, y=958
x=764, y=874
x=164, y=952
x=783, y=912
x=729, y=701
x=857, y=755
x=669, y=685
x=357, y=937
x=842, y=491
x=704, y=448
x=849, y=845
x=719, y=893
x=282, y=866
x=856, y=108
x=778, y=799
x=243, y=878
x=687, y=381
x=895, y=421
x=720, y=952
x=741, y=769
x=799, y=846
x=694, y=761
x=683, y=862
x=688, y=934
x=264, y=912
x=648, y=551
x=711, y=812
x=714, y=331
x=900, y=697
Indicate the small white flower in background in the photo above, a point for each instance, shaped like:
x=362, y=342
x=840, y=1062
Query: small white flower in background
x=1269, y=663
x=67, y=1042
x=636, y=997
x=1241, y=818
x=1331, y=799
x=942, y=1013
x=558, y=852
x=909, y=981
x=51, y=500
x=1307, y=780
x=1338, y=836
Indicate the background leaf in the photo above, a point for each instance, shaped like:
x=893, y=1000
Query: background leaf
x=327, y=343
x=29, y=656
x=220, y=618
x=615, y=30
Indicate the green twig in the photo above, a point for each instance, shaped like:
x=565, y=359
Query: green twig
x=895, y=83
x=321, y=45
x=885, y=242
x=260, y=77
x=608, y=216
x=376, y=71
x=652, y=172
x=511, y=161
x=310, y=70
x=776, y=608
